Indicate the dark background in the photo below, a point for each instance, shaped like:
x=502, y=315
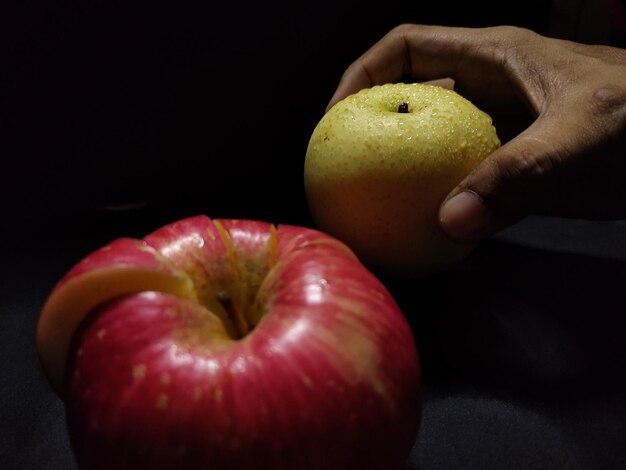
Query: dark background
x=190, y=108
x=116, y=118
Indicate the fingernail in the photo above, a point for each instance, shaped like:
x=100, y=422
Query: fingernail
x=464, y=217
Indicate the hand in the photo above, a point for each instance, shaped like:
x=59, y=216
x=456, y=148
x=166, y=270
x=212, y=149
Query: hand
x=569, y=162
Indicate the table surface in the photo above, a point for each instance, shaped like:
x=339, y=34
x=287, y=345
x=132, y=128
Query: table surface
x=522, y=346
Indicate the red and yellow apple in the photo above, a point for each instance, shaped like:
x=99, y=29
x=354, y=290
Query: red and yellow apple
x=231, y=344
x=380, y=163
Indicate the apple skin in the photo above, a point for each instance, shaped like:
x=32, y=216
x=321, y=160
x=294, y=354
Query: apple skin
x=375, y=177
x=304, y=360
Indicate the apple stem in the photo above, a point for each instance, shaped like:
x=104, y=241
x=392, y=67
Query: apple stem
x=236, y=317
x=403, y=108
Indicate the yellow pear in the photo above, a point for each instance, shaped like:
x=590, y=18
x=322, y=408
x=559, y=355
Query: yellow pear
x=380, y=163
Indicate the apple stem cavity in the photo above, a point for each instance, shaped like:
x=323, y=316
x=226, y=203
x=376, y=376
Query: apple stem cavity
x=403, y=108
x=236, y=317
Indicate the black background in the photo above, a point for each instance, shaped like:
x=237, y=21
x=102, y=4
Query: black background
x=191, y=107
x=170, y=110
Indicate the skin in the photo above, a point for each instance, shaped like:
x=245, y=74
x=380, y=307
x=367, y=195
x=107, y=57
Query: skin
x=559, y=107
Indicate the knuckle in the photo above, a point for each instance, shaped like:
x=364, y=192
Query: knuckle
x=507, y=37
x=518, y=174
x=405, y=28
x=401, y=31
x=516, y=33
x=526, y=164
x=608, y=101
x=512, y=48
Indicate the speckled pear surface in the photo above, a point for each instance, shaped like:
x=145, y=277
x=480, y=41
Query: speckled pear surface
x=380, y=163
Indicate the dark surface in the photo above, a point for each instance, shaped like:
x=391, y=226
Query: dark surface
x=186, y=110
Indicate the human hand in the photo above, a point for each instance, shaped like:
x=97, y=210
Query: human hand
x=569, y=162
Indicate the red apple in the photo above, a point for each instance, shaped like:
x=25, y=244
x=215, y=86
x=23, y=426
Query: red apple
x=231, y=344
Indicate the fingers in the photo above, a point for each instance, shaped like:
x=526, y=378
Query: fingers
x=446, y=83
x=384, y=62
x=511, y=183
x=568, y=162
x=419, y=52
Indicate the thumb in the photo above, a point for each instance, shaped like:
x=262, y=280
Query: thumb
x=509, y=184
